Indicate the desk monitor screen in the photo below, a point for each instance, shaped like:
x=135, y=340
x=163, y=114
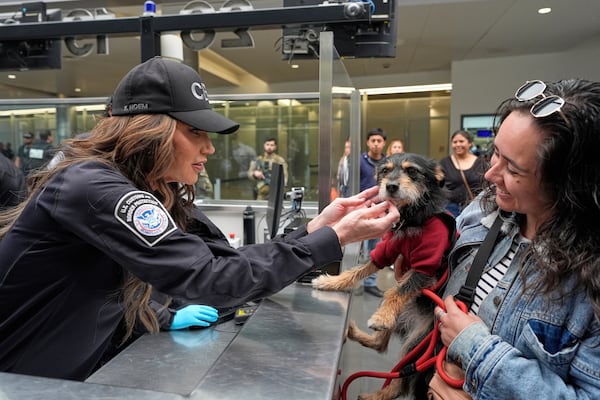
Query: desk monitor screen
x=275, y=201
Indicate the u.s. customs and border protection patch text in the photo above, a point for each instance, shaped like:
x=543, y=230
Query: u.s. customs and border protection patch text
x=145, y=216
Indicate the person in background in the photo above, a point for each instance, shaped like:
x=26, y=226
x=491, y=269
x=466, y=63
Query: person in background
x=463, y=172
x=204, y=188
x=22, y=159
x=243, y=155
x=115, y=220
x=13, y=188
x=369, y=161
x=343, y=171
x=396, y=146
x=534, y=326
x=8, y=151
x=41, y=152
x=260, y=168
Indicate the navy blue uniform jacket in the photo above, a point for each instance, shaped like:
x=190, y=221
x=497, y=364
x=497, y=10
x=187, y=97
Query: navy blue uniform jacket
x=62, y=266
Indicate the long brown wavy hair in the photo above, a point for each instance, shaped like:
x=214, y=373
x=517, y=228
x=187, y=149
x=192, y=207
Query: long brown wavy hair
x=141, y=148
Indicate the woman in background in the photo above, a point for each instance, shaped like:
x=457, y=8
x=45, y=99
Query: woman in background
x=396, y=146
x=463, y=172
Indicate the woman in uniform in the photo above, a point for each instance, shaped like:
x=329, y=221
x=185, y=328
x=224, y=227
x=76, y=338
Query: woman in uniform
x=115, y=220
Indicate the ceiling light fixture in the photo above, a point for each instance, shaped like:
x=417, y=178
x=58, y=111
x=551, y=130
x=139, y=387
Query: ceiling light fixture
x=294, y=66
x=28, y=111
x=342, y=89
x=92, y=107
x=407, y=89
x=12, y=76
x=545, y=10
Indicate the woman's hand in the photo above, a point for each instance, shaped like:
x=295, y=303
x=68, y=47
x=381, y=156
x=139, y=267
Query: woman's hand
x=194, y=315
x=366, y=223
x=453, y=320
x=335, y=211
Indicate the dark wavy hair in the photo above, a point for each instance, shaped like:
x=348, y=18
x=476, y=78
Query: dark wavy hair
x=566, y=246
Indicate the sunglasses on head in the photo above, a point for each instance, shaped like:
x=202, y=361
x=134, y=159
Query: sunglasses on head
x=547, y=105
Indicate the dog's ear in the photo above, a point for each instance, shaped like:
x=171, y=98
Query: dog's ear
x=439, y=175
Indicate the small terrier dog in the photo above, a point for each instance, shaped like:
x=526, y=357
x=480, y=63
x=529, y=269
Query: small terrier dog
x=417, y=247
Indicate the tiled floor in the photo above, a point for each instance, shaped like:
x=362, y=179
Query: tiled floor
x=357, y=358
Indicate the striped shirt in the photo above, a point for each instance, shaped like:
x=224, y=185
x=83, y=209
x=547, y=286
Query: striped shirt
x=490, y=279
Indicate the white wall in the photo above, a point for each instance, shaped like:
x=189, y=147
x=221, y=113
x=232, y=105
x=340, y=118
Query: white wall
x=480, y=85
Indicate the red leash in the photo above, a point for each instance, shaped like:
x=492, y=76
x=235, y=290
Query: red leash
x=439, y=359
x=426, y=348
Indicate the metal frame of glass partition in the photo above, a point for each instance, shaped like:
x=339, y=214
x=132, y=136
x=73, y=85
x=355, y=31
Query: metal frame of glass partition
x=339, y=119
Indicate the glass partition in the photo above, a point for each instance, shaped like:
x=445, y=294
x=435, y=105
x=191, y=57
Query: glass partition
x=339, y=120
x=290, y=118
x=310, y=129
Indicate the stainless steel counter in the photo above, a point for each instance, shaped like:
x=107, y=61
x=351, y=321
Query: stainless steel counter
x=290, y=348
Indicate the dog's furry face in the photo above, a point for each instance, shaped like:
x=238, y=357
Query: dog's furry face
x=415, y=184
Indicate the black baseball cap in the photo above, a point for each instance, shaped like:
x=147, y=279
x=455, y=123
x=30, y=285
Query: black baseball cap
x=164, y=86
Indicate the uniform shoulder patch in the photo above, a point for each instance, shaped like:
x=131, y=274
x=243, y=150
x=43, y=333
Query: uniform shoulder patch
x=145, y=216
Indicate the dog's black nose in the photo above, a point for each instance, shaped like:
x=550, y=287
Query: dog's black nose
x=391, y=187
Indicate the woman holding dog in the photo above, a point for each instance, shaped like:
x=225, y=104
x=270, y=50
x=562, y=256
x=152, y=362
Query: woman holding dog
x=534, y=328
x=115, y=219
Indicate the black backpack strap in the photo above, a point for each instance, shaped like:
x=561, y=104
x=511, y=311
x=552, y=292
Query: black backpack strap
x=450, y=222
x=466, y=293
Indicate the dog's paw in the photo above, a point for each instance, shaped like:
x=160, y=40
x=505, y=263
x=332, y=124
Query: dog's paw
x=351, y=331
x=372, y=396
x=326, y=282
x=378, y=322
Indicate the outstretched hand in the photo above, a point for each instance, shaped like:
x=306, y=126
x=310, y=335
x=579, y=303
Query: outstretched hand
x=194, y=315
x=367, y=223
x=341, y=206
x=358, y=217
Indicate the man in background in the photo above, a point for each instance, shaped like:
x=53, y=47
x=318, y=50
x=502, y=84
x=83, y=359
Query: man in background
x=260, y=169
x=41, y=152
x=33, y=156
x=22, y=160
x=243, y=155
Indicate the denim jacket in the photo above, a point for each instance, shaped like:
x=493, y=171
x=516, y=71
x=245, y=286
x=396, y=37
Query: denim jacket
x=529, y=346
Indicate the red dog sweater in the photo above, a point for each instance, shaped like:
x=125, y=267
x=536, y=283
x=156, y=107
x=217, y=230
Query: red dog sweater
x=423, y=252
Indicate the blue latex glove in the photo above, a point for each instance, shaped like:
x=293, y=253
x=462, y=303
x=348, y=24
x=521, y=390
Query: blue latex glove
x=194, y=315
